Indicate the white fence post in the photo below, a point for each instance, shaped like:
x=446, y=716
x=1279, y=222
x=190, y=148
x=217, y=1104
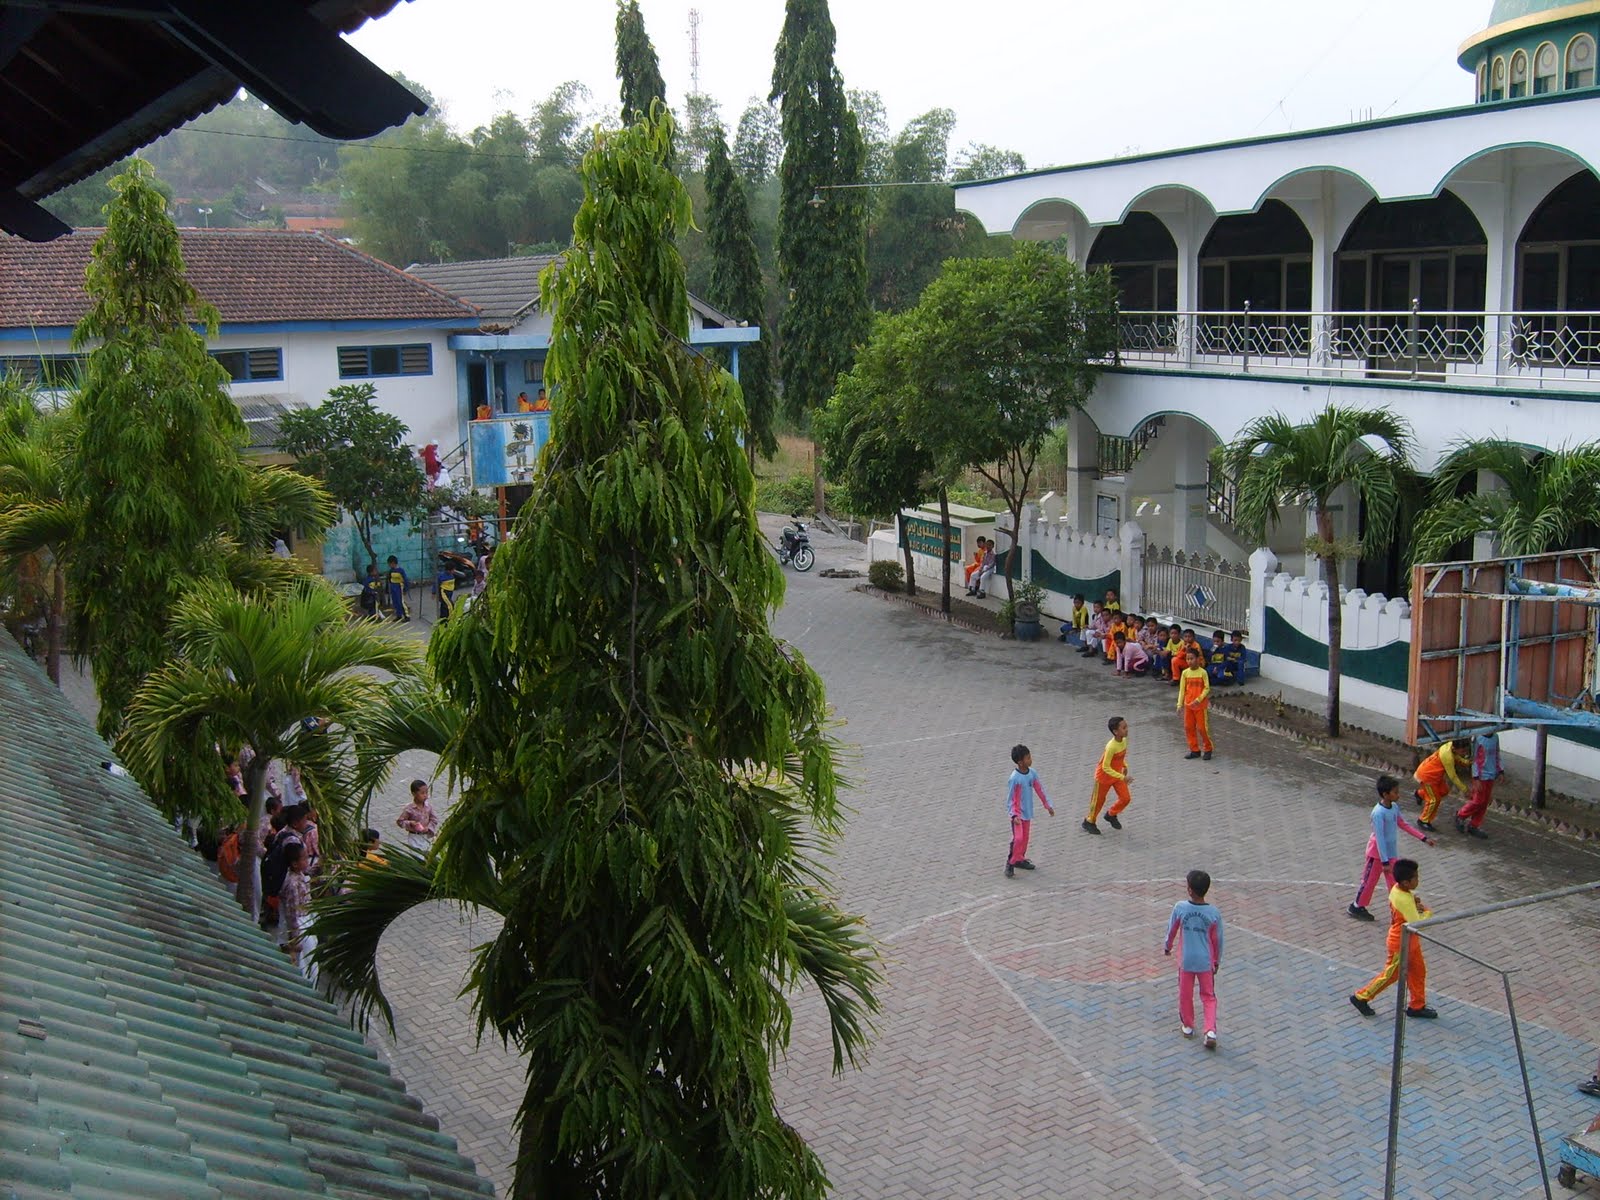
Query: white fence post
x=1131, y=564
x=1030, y=518
x=1263, y=566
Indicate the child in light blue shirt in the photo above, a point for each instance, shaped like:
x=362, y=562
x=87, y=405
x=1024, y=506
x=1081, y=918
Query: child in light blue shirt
x=1200, y=925
x=1021, y=788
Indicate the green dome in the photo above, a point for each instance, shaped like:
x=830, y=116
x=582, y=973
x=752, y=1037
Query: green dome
x=1512, y=10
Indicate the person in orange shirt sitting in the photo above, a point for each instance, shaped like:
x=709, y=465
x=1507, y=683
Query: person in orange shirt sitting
x=1436, y=776
x=976, y=564
x=1111, y=775
x=484, y=412
x=1119, y=624
x=1194, y=702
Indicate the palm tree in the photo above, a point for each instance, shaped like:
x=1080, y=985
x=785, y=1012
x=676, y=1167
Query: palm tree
x=1547, y=501
x=1276, y=463
x=249, y=669
x=37, y=523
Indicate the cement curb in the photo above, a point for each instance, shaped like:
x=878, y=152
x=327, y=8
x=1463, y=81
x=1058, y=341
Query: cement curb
x=1586, y=830
x=901, y=598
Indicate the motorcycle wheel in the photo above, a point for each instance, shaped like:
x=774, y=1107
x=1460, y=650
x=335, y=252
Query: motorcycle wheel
x=803, y=559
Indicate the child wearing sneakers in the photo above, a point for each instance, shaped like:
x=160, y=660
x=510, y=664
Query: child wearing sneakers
x=1111, y=774
x=1405, y=906
x=1383, y=847
x=1201, y=925
x=1073, y=627
x=1194, y=702
x=1020, y=790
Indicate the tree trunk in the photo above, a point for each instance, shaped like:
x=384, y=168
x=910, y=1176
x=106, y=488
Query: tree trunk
x=1330, y=577
x=818, y=497
x=248, y=890
x=944, y=539
x=1541, y=743
x=1016, y=544
x=364, y=530
x=905, y=545
x=52, y=623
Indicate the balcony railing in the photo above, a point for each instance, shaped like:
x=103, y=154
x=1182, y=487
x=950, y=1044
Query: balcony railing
x=1537, y=349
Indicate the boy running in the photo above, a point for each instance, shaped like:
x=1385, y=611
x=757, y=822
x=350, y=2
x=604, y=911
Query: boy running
x=1111, y=774
x=1436, y=776
x=1201, y=955
x=1020, y=790
x=1405, y=906
x=1194, y=702
x=1383, y=846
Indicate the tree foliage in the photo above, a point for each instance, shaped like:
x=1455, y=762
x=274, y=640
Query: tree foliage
x=157, y=474
x=247, y=670
x=821, y=246
x=1276, y=463
x=638, y=69
x=38, y=525
x=758, y=142
x=1544, y=500
x=648, y=772
x=737, y=288
x=359, y=454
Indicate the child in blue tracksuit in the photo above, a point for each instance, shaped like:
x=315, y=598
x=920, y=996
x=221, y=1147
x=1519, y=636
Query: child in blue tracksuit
x=1201, y=954
x=397, y=589
x=1020, y=790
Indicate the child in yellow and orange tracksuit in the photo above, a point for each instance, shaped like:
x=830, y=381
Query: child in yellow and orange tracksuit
x=1404, y=906
x=1436, y=776
x=1111, y=774
x=1119, y=624
x=1194, y=702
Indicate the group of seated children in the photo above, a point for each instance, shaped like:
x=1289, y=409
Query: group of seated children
x=1143, y=646
x=981, y=568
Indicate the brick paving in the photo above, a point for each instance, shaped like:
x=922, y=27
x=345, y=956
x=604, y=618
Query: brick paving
x=1029, y=1043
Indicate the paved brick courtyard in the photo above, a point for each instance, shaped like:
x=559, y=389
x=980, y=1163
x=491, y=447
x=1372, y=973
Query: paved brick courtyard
x=1029, y=1042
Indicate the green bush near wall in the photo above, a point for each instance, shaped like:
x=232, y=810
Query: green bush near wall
x=1063, y=584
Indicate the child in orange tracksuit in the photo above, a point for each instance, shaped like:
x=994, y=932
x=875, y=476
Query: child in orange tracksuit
x=1119, y=624
x=1404, y=907
x=1111, y=774
x=1194, y=702
x=1436, y=776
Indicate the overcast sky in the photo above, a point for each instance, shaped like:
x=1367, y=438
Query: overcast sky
x=1059, y=80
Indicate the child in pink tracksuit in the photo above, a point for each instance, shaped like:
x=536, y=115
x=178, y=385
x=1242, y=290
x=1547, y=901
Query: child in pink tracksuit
x=1201, y=926
x=1383, y=847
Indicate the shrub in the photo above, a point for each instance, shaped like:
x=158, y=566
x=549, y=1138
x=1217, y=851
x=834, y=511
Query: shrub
x=885, y=575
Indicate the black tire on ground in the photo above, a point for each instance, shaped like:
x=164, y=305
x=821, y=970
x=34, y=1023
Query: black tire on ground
x=803, y=559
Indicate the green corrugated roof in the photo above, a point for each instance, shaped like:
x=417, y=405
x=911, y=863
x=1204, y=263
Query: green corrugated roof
x=183, y=1058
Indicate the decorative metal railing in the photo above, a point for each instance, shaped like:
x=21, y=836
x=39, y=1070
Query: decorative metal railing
x=1196, y=589
x=1540, y=349
x=1221, y=494
x=1118, y=454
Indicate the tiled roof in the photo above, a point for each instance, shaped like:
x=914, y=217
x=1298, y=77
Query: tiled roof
x=249, y=274
x=153, y=1042
x=506, y=290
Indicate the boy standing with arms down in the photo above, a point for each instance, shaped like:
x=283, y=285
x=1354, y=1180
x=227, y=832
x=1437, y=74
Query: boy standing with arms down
x=1111, y=774
x=1201, y=956
x=1020, y=790
x=1383, y=847
x=398, y=583
x=1405, y=906
x=1194, y=702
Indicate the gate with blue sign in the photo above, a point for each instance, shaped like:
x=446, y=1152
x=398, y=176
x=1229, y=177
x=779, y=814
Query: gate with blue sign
x=1199, y=590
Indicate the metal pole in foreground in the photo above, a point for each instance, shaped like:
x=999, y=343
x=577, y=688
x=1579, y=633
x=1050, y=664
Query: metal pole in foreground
x=1527, y=1087
x=1394, y=1068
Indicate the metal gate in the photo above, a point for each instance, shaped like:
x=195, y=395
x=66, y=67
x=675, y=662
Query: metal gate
x=1198, y=590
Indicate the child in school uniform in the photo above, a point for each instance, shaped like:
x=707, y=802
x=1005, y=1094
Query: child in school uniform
x=1194, y=702
x=1077, y=621
x=1111, y=774
x=1021, y=788
x=1405, y=906
x=1436, y=775
x=1486, y=769
x=1200, y=925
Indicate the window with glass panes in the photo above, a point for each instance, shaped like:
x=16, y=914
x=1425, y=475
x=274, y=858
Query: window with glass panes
x=372, y=362
x=251, y=366
x=1580, y=62
x=1545, y=64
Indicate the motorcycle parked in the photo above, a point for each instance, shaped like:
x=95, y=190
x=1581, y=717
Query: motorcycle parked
x=794, y=546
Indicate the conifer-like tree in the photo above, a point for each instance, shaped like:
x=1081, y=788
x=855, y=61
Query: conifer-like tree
x=157, y=475
x=648, y=772
x=821, y=231
x=738, y=289
x=637, y=65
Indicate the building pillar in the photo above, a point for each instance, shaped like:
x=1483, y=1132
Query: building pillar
x=1485, y=545
x=1083, y=471
x=1263, y=566
x=1190, y=523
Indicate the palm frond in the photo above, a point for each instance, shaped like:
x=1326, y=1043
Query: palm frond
x=278, y=498
x=832, y=950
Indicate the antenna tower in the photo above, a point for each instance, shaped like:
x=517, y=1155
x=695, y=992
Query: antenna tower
x=694, y=51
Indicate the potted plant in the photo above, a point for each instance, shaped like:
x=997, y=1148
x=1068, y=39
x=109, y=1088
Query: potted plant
x=1020, y=614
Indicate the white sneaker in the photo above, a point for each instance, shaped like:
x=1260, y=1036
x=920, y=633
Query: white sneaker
x=1211, y=1039
x=1187, y=1032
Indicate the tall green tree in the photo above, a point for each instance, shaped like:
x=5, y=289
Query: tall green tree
x=821, y=245
x=359, y=454
x=38, y=526
x=758, y=142
x=1277, y=462
x=1005, y=350
x=157, y=474
x=247, y=670
x=736, y=287
x=913, y=229
x=648, y=774
x=637, y=65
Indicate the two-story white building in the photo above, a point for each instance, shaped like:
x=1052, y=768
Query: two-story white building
x=1444, y=265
